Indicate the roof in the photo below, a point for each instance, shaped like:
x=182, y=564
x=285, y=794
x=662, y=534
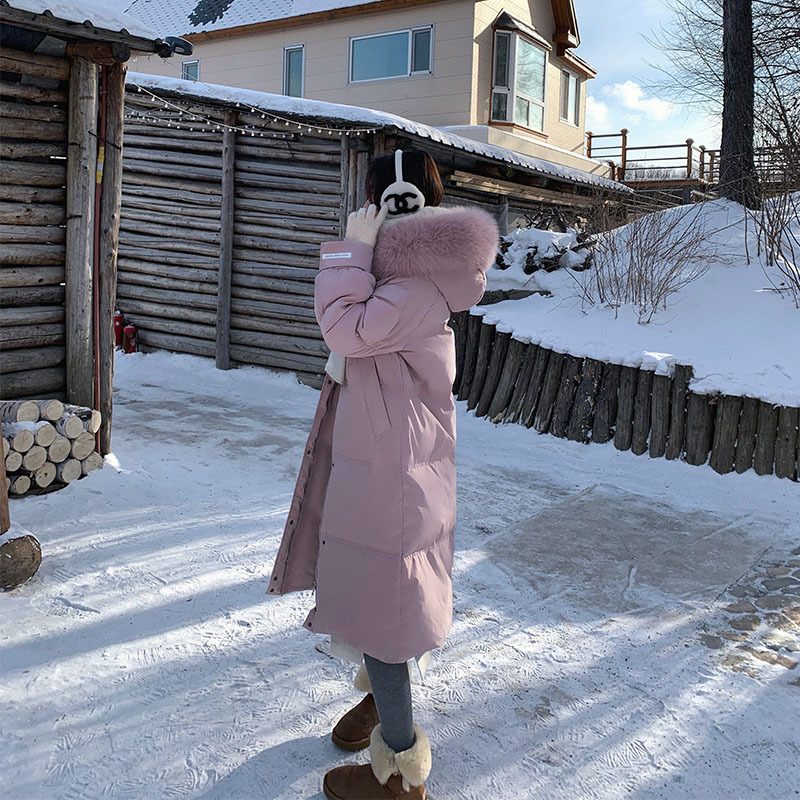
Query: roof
x=321, y=112
x=187, y=17
x=201, y=16
x=82, y=19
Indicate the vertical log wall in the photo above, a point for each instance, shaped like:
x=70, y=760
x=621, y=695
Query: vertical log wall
x=33, y=146
x=512, y=380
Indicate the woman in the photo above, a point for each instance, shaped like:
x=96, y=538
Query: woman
x=372, y=520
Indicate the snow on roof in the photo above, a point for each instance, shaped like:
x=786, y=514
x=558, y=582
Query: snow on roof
x=319, y=110
x=198, y=16
x=103, y=16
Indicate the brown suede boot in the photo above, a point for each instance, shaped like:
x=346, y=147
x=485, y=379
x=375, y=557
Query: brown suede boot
x=353, y=730
x=388, y=776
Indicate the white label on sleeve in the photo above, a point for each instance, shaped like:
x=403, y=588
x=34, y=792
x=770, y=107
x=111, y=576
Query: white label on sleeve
x=326, y=256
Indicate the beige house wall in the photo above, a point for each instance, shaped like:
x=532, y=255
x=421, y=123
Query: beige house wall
x=458, y=93
x=255, y=61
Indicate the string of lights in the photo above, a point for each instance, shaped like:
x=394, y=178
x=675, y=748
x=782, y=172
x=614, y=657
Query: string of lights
x=188, y=117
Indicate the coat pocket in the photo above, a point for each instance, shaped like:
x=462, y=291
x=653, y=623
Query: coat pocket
x=379, y=420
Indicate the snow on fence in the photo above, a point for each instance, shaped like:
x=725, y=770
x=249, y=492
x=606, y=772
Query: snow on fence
x=512, y=380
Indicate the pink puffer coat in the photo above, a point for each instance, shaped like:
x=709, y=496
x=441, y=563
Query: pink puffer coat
x=372, y=520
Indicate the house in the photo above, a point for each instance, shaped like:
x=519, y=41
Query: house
x=503, y=72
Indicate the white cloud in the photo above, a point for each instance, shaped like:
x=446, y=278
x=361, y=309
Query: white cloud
x=631, y=96
x=598, y=118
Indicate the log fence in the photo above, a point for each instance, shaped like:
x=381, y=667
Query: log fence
x=508, y=379
x=220, y=235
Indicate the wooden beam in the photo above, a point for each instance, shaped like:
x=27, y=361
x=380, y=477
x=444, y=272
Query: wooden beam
x=81, y=166
x=223, y=347
x=110, y=205
x=35, y=65
x=100, y=52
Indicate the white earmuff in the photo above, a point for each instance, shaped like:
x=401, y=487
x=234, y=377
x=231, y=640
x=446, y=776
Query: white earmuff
x=401, y=197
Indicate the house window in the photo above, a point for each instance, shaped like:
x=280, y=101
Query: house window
x=190, y=70
x=518, y=82
x=391, y=55
x=293, y=61
x=570, y=97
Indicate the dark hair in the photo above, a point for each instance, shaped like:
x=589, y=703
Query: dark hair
x=419, y=168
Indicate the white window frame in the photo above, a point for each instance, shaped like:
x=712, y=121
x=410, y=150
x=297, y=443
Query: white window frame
x=410, y=57
x=575, y=120
x=511, y=91
x=190, y=62
x=286, y=50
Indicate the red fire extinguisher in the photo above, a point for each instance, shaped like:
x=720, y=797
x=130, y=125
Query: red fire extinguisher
x=129, y=344
x=119, y=324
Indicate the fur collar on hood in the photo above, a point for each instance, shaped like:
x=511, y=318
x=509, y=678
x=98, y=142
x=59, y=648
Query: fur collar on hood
x=452, y=246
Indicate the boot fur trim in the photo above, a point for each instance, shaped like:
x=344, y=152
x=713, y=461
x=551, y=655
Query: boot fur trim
x=361, y=680
x=414, y=764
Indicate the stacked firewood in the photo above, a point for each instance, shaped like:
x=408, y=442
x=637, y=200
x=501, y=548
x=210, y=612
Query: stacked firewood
x=47, y=444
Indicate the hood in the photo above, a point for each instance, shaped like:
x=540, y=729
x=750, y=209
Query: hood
x=452, y=246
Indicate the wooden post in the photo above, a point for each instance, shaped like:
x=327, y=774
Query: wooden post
x=484, y=357
x=547, y=397
x=344, y=185
x=5, y=517
x=501, y=215
x=223, y=346
x=605, y=412
x=660, y=415
x=623, y=434
x=746, y=435
x=588, y=144
x=110, y=204
x=676, y=440
x=726, y=428
x=786, y=442
x=642, y=403
x=689, y=159
x=502, y=340
x=702, y=162
x=80, y=182
x=700, y=415
x=522, y=384
x=623, y=161
x=565, y=398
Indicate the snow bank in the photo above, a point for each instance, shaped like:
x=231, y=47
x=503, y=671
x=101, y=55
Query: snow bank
x=740, y=335
x=529, y=255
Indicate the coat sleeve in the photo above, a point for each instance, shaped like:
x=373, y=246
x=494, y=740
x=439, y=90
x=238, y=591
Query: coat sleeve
x=358, y=318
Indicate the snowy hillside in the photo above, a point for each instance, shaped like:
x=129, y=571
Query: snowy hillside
x=727, y=321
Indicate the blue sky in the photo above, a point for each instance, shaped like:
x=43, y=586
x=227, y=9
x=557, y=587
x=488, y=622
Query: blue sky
x=613, y=40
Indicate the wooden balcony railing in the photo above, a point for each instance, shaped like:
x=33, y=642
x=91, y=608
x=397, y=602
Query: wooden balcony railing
x=680, y=162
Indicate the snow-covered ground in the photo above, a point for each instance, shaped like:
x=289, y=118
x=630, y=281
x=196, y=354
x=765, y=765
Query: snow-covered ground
x=740, y=335
x=592, y=655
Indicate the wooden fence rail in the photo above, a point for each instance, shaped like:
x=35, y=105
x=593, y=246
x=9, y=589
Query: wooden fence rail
x=506, y=379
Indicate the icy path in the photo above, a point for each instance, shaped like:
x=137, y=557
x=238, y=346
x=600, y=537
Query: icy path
x=145, y=662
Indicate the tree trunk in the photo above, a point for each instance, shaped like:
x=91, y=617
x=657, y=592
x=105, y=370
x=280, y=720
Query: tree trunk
x=737, y=174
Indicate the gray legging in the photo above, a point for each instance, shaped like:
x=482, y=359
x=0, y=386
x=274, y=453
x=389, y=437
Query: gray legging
x=391, y=688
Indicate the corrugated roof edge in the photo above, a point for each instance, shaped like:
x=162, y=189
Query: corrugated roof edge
x=139, y=36
x=321, y=110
